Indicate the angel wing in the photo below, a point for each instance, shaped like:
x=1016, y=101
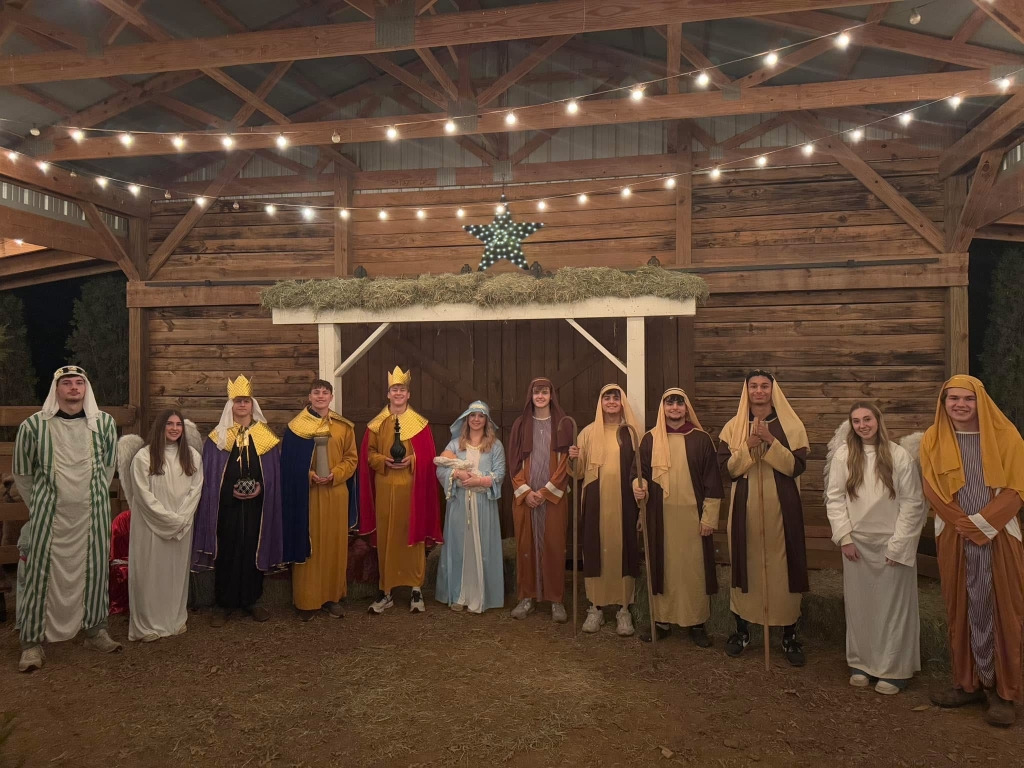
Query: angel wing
x=195, y=440
x=912, y=445
x=837, y=441
x=127, y=447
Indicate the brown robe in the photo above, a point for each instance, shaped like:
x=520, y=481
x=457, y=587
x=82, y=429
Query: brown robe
x=1007, y=585
x=556, y=523
x=590, y=525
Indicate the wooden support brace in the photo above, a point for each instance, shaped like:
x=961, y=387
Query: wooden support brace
x=989, y=132
x=329, y=338
x=359, y=351
x=600, y=347
x=117, y=251
x=636, y=368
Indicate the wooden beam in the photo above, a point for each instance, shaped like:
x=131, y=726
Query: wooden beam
x=954, y=197
x=700, y=134
x=696, y=57
x=55, y=32
x=225, y=16
x=972, y=212
x=592, y=112
x=137, y=356
x=882, y=189
x=190, y=219
x=517, y=72
x=35, y=97
x=261, y=93
x=342, y=226
x=36, y=261
x=855, y=51
x=673, y=36
x=801, y=55
x=971, y=26
x=38, y=278
x=405, y=77
x=989, y=132
x=114, y=245
x=754, y=131
x=684, y=200
x=958, y=357
x=116, y=25
x=359, y=38
x=53, y=233
x=1009, y=14
x=438, y=72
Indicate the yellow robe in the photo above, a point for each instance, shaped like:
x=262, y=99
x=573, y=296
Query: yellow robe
x=323, y=577
x=400, y=565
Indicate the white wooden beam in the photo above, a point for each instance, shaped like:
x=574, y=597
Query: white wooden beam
x=329, y=337
x=361, y=350
x=636, y=369
x=600, y=347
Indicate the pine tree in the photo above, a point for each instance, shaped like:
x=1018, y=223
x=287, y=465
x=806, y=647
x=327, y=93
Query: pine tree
x=17, y=374
x=99, y=338
x=1002, y=356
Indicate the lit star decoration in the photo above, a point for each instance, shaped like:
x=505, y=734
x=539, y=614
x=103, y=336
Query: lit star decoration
x=503, y=238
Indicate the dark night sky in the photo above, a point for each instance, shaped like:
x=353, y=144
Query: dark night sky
x=48, y=311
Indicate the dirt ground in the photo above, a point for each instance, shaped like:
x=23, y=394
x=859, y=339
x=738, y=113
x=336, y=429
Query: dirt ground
x=447, y=689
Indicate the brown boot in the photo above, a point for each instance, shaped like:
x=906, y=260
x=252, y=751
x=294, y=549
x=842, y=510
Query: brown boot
x=952, y=698
x=1000, y=711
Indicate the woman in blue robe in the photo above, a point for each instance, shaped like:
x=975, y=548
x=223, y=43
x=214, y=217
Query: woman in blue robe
x=470, y=574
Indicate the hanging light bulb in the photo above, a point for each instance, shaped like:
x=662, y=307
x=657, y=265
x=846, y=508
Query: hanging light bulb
x=856, y=135
x=421, y=214
x=703, y=79
x=134, y=189
x=460, y=213
x=391, y=133
x=336, y=138
x=670, y=182
x=382, y=214
x=541, y=205
x=73, y=175
x=954, y=101
x=271, y=209
x=228, y=142
x=626, y=191
x=915, y=16
x=77, y=135
x=235, y=206
x=905, y=118
x=808, y=149
x=762, y=161
x=500, y=210
x=167, y=195
x=200, y=201
x=637, y=93
x=572, y=106
x=43, y=166
x=449, y=126
x=102, y=182
x=308, y=214
x=843, y=40
x=34, y=130
x=582, y=198
x=510, y=118
x=178, y=141
x=771, y=59
x=344, y=213
x=715, y=172
x=282, y=141
x=126, y=139
x=1004, y=83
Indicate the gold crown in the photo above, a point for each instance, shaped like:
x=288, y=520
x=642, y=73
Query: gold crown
x=398, y=376
x=240, y=387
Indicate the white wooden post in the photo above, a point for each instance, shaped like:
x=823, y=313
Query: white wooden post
x=636, y=372
x=329, y=336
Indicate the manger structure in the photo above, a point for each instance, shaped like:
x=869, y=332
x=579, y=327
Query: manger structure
x=831, y=234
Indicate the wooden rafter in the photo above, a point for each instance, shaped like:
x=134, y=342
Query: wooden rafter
x=53, y=233
x=517, y=72
x=229, y=19
x=700, y=134
x=855, y=51
x=359, y=38
x=56, y=32
x=1005, y=197
x=403, y=76
x=438, y=72
x=973, y=211
x=673, y=37
x=596, y=112
x=970, y=26
x=989, y=132
x=755, y=131
x=1009, y=14
x=801, y=55
x=261, y=93
x=883, y=190
x=24, y=92
x=115, y=246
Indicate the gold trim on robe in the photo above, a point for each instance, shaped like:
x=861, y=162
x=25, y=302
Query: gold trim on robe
x=411, y=422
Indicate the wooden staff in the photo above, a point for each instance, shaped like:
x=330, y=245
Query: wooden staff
x=635, y=437
x=764, y=560
x=575, y=529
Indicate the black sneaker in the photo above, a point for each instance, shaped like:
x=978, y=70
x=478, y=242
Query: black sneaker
x=794, y=651
x=663, y=632
x=699, y=636
x=736, y=643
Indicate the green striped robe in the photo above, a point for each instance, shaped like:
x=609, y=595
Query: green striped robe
x=33, y=456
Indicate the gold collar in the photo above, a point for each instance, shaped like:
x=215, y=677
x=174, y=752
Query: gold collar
x=411, y=422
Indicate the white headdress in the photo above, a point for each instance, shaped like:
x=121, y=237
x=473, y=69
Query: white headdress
x=240, y=387
x=51, y=406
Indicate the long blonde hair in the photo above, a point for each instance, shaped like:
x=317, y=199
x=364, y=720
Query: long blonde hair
x=489, y=437
x=855, y=454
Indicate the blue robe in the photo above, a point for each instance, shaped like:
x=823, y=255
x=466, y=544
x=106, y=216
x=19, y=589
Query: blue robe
x=457, y=528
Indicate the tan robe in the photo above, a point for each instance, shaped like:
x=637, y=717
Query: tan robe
x=400, y=565
x=767, y=536
x=552, y=552
x=684, y=600
x=323, y=577
x=611, y=587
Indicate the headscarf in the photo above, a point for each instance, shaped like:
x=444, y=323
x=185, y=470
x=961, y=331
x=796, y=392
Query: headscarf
x=521, y=440
x=596, y=457
x=1002, y=449
x=661, y=456
x=51, y=405
x=736, y=432
x=226, y=430
x=477, y=406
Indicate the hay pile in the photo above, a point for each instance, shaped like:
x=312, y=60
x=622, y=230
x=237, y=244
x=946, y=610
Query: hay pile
x=567, y=285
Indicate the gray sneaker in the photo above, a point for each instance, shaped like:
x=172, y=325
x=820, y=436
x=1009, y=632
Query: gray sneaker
x=381, y=604
x=524, y=609
x=102, y=642
x=558, y=614
x=32, y=658
x=594, y=620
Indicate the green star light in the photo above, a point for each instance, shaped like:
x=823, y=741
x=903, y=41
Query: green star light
x=503, y=238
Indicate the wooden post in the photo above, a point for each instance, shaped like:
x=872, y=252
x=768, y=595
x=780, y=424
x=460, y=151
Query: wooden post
x=684, y=242
x=958, y=358
x=953, y=198
x=342, y=227
x=138, y=336
x=329, y=337
x=636, y=374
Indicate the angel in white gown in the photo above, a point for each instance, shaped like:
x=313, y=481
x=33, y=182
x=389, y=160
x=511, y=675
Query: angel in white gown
x=162, y=484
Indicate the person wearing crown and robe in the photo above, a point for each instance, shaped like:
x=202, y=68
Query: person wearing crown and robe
x=683, y=486
x=764, y=450
x=319, y=502
x=539, y=461
x=64, y=459
x=399, y=508
x=603, y=459
x=972, y=463
x=237, y=530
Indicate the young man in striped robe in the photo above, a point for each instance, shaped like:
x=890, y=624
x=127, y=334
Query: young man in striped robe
x=64, y=458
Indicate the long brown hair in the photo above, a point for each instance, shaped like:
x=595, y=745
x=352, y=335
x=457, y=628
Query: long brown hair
x=489, y=437
x=158, y=442
x=855, y=454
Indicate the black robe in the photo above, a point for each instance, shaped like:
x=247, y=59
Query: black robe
x=238, y=583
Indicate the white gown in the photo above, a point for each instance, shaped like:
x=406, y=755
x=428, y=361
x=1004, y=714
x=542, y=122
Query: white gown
x=883, y=626
x=160, y=544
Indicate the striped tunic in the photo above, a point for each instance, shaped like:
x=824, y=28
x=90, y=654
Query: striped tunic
x=38, y=473
x=980, y=598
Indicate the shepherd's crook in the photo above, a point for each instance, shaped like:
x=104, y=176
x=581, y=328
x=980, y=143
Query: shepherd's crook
x=764, y=563
x=635, y=438
x=575, y=530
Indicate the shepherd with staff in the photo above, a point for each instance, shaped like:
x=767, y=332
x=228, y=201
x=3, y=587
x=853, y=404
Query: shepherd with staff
x=764, y=449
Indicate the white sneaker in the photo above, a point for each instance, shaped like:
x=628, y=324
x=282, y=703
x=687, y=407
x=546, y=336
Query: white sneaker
x=623, y=623
x=859, y=681
x=594, y=621
x=886, y=689
x=102, y=642
x=416, y=602
x=558, y=614
x=457, y=607
x=32, y=658
x=381, y=604
x=524, y=609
